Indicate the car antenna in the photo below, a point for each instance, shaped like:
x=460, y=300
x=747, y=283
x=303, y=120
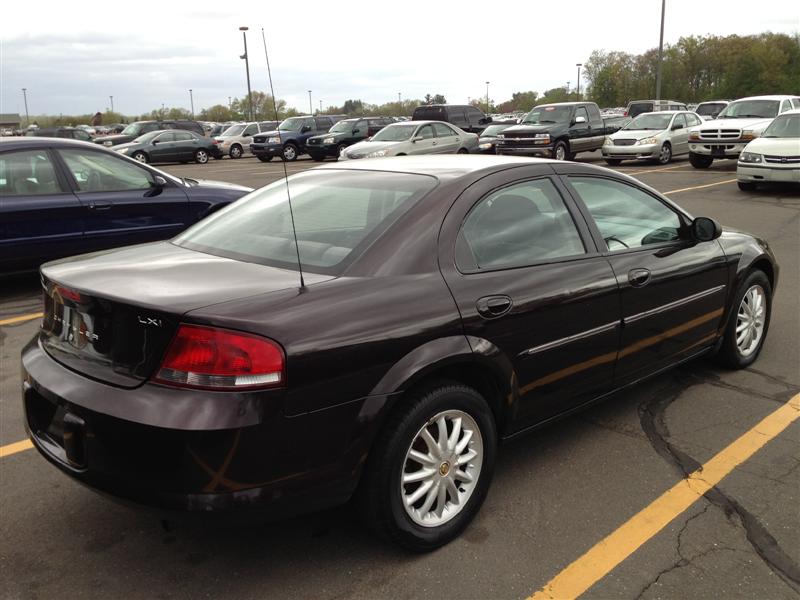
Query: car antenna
x=285, y=171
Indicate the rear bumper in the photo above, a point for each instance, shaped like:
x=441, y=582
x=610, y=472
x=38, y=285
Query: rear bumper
x=286, y=465
x=765, y=173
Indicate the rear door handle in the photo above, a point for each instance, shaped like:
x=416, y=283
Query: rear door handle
x=491, y=307
x=639, y=277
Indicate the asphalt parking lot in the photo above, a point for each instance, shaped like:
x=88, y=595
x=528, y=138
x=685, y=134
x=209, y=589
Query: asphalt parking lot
x=556, y=493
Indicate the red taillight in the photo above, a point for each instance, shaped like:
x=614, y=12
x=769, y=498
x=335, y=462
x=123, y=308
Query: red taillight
x=625, y=114
x=68, y=293
x=219, y=359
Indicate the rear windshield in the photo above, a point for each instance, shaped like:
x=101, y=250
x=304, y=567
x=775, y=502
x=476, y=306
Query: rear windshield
x=430, y=113
x=637, y=108
x=337, y=214
x=709, y=109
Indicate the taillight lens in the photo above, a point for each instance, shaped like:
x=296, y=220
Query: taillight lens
x=220, y=359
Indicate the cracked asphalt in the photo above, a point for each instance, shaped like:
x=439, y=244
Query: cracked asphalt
x=556, y=493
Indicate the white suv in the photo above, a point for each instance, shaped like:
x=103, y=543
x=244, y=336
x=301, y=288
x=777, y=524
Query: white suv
x=740, y=122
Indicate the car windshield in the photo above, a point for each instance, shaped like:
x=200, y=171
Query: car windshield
x=343, y=126
x=648, y=121
x=784, y=126
x=337, y=214
x=147, y=137
x=493, y=130
x=710, y=109
x=132, y=130
x=395, y=133
x=548, y=114
x=293, y=124
x=743, y=109
x=233, y=130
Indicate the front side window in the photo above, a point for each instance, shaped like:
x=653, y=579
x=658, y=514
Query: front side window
x=336, y=214
x=626, y=216
x=679, y=122
x=425, y=132
x=250, y=130
x=515, y=226
x=581, y=112
x=27, y=174
x=103, y=172
x=183, y=136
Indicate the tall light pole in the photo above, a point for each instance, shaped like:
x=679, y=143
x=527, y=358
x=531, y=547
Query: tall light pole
x=578, y=89
x=320, y=106
x=247, y=70
x=112, y=103
x=487, y=97
x=191, y=102
x=399, y=98
x=25, y=97
x=310, y=110
x=660, y=51
x=229, y=102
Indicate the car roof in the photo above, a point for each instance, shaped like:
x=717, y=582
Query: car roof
x=794, y=111
x=714, y=102
x=662, y=100
x=22, y=142
x=774, y=97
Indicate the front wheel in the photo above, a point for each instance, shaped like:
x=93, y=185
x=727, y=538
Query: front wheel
x=139, y=156
x=462, y=151
x=263, y=158
x=748, y=322
x=431, y=468
x=746, y=186
x=236, y=151
x=698, y=161
x=561, y=152
x=201, y=157
x=290, y=152
x=665, y=155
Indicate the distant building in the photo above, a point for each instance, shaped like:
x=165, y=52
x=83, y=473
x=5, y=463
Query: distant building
x=10, y=120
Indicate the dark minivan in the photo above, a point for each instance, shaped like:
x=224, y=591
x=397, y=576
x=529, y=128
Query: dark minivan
x=462, y=116
x=134, y=130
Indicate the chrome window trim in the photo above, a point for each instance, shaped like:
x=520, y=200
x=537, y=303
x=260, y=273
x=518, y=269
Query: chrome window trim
x=671, y=305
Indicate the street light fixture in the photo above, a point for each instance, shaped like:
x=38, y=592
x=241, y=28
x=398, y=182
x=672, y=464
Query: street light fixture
x=247, y=70
x=578, y=89
x=191, y=102
x=25, y=97
x=487, y=97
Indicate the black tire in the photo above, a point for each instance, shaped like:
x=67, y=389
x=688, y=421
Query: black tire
x=290, y=152
x=729, y=354
x=746, y=186
x=380, y=493
x=236, y=151
x=263, y=158
x=339, y=149
x=698, y=161
x=201, y=156
x=665, y=156
x=462, y=151
x=561, y=151
x=613, y=162
x=140, y=156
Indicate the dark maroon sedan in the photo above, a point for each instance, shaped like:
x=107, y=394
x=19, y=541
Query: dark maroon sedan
x=447, y=304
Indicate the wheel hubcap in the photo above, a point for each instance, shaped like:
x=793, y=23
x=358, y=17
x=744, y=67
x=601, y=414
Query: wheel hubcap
x=441, y=468
x=140, y=158
x=560, y=153
x=750, y=320
x=665, y=154
x=289, y=153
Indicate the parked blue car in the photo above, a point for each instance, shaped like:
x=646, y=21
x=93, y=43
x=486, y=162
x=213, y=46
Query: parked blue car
x=60, y=197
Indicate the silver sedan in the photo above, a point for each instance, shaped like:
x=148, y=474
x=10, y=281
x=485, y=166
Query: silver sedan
x=655, y=136
x=414, y=137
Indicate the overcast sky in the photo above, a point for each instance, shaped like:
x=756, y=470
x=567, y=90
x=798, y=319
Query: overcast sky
x=71, y=56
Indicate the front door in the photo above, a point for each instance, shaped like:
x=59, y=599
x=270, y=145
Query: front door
x=680, y=135
x=163, y=148
x=672, y=288
x=531, y=286
x=425, y=141
x=122, y=202
x=580, y=133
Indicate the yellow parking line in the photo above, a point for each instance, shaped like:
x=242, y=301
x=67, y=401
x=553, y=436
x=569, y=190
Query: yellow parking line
x=15, y=447
x=697, y=187
x=604, y=556
x=21, y=318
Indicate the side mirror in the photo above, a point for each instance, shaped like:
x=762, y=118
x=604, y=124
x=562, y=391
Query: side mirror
x=705, y=229
x=580, y=120
x=305, y=129
x=156, y=142
x=417, y=138
x=159, y=181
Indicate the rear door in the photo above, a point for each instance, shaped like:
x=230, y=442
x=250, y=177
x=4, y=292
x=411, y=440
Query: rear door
x=40, y=217
x=121, y=200
x=672, y=288
x=680, y=134
x=532, y=289
x=447, y=140
x=186, y=143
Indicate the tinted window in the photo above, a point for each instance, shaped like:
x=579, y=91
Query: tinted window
x=443, y=130
x=104, y=172
x=311, y=124
x=710, y=109
x=475, y=116
x=519, y=225
x=165, y=137
x=150, y=127
x=336, y=215
x=183, y=136
x=680, y=121
x=581, y=112
x=456, y=116
x=626, y=216
x=27, y=174
x=430, y=113
x=594, y=112
x=324, y=123
x=637, y=108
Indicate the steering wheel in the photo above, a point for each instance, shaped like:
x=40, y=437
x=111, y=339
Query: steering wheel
x=613, y=238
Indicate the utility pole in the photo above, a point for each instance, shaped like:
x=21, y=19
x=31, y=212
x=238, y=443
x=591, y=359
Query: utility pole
x=310, y=110
x=660, y=51
x=247, y=69
x=25, y=97
x=112, y=103
x=399, y=98
x=191, y=102
x=320, y=106
x=487, y=97
x=578, y=89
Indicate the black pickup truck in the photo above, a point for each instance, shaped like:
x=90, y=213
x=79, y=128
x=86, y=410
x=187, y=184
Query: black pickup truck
x=559, y=130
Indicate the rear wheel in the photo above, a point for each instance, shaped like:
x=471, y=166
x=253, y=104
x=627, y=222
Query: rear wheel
x=263, y=158
x=431, y=468
x=290, y=152
x=201, y=157
x=748, y=322
x=698, y=161
x=665, y=155
x=613, y=162
x=140, y=156
x=462, y=151
x=746, y=186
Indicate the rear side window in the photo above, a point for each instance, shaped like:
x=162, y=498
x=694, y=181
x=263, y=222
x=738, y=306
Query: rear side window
x=430, y=113
x=443, y=130
x=519, y=225
x=27, y=174
x=324, y=123
x=336, y=215
x=456, y=116
x=475, y=117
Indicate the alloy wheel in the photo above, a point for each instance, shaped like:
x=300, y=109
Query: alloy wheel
x=441, y=468
x=750, y=320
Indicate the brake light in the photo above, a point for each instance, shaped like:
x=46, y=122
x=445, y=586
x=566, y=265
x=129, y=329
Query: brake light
x=220, y=359
x=625, y=114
